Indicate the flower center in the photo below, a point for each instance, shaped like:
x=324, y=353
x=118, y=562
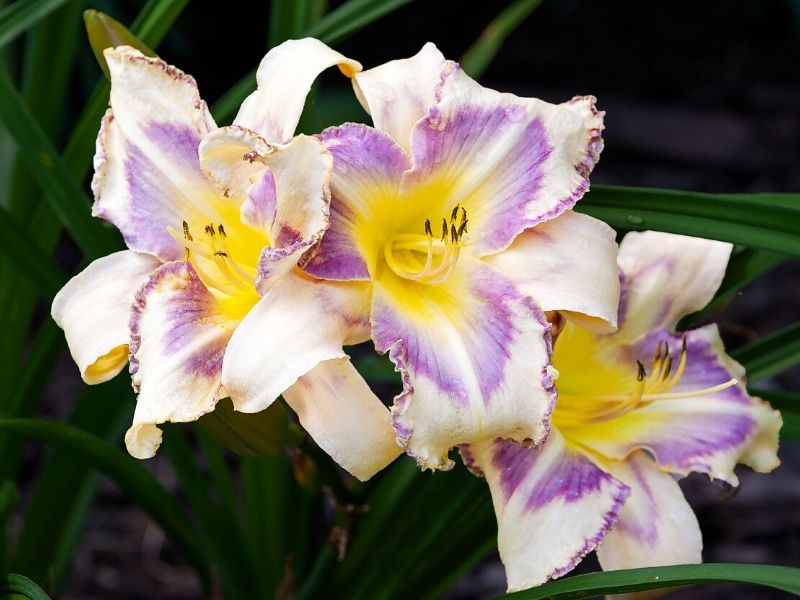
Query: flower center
x=425, y=257
x=211, y=258
x=576, y=409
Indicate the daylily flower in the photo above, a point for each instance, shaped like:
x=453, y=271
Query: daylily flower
x=210, y=272
x=635, y=410
x=449, y=211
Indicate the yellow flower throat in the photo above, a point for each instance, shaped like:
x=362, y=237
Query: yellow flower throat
x=578, y=409
x=425, y=257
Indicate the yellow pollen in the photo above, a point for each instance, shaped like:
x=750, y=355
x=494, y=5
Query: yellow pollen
x=423, y=258
x=582, y=409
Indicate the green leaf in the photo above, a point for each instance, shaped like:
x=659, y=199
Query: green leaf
x=744, y=267
x=350, y=17
x=219, y=531
x=481, y=53
x=246, y=434
x=19, y=587
x=766, y=222
x=634, y=580
x=105, y=32
x=132, y=478
x=21, y=15
x=345, y=20
x=770, y=355
x=37, y=266
x=64, y=194
x=789, y=405
x=66, y=478
x=288, y=19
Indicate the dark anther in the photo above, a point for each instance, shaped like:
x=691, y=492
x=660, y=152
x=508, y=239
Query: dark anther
x=463, y=215
x=683, y=344
x=668, y=369
x=453, y=234
x=221, y=253
x=462, y=228
x=444, y=229
x=210, y=230
x=642, y=373
x=186, y=233
x=221, y=230
x=454, y=214
x=428, y=229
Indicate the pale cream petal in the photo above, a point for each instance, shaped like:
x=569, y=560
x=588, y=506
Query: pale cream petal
x=567, y=264
x=553, y=505
x=179, y=331
x=233, y=158
x=94, y=310
x=147, y=176
x=761, y=454
x=666, y=276
x=299, y=323
x=284, y=79
x=337, y=408
x=656, y=525
x=474, y=356
x=401, y=92
x=299, y=172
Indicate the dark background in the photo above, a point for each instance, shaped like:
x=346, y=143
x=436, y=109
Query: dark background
x=699, y=95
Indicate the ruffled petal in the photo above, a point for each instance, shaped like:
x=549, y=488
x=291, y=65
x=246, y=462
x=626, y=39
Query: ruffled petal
x=147, y=175
x=699, y=431
x=98, y=337
x=666, y=276
x=367, y=167
x=298, y=173
x=553, y=506
x=401, y=92
x=178, y=338
x=284, y=79
x=474, y=354
x=761, y=454
x=299, y=323
x=510, y=162
x=337, y=408
x=656, y=525
x=567, y=264
x=233, y=158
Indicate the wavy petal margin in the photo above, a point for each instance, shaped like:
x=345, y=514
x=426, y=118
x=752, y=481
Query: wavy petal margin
x=147, y=176
x=474, y=355
x=178, y=338
x=511, y=162
x=553, y=505
x=702, y=432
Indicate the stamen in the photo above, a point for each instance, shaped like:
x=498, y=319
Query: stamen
x=424, y=258
x=228, y=278
x=581, y=409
